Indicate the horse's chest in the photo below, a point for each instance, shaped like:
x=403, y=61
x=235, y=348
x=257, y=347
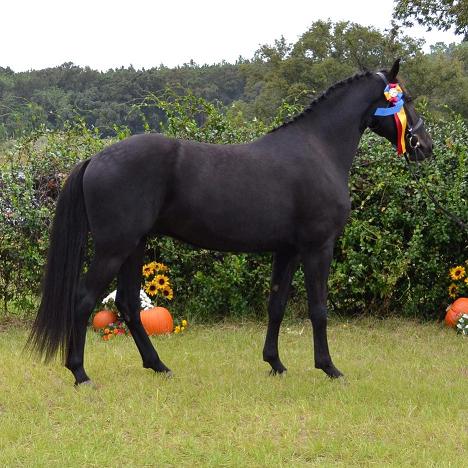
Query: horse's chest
x=323, y=216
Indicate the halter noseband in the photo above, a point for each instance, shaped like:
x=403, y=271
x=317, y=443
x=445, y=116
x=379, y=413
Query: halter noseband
x=394, y=94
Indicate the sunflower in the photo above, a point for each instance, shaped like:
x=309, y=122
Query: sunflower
x=161, y=267
x=161, y=281
x=453, y=289
x=457, y=273
x=168, y=293
x=149, y=269
x=151, y=288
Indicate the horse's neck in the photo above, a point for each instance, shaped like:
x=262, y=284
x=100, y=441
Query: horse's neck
x=336, y=121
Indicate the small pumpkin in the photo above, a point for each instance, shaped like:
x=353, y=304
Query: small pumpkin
x=104, y=318
x=455, y=311
x=461, y=305
x=157, y=321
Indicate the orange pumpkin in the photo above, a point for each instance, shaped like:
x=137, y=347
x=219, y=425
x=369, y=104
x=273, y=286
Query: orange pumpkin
x=455, y=311
x=104, y=318
x=157, y=321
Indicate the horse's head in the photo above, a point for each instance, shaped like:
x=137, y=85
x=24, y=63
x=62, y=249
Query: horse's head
x=396, y=119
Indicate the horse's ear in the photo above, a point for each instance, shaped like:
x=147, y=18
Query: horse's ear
x=392, y=74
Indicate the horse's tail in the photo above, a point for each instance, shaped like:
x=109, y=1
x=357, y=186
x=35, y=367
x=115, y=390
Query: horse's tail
x=53, y=326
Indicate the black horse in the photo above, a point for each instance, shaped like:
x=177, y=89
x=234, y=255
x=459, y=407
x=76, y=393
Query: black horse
x=286, y=193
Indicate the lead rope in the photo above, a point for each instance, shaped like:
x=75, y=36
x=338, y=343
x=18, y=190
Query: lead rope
x=417, y=177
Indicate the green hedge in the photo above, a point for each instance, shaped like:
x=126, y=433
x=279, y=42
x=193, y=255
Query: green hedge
x=392, y=258
x=397, y=247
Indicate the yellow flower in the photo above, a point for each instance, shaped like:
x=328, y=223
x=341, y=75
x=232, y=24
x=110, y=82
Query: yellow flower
x=161, y=281
x=151, y=288
x=168, y=293
x=177, y=329
x=161, y=267
x=457, y=273
x=149, y=269
x=182, y=329
x=184, y=323
x=453, y=290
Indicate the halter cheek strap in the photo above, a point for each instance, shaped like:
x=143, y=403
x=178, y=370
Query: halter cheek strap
x=394, y=95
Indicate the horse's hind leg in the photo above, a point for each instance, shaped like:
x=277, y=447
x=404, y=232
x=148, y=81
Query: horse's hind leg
x=284, y=266
x=316, y=269
x=102, y=270
x=128, y=303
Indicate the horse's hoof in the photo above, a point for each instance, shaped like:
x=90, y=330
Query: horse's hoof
x=332, y=372
x=279, y=373
x=87, y=383
x=277, y=367
x=339, y=375
x=158, y=367
x=163, y=371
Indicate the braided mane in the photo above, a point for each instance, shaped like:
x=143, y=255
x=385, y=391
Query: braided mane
x=326, y=94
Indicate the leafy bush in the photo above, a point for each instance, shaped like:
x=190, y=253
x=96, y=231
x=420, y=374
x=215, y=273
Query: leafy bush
x=397, y=246
x=31, y=175
x=392, y=257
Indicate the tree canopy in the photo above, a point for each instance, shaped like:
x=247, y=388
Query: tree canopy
x=439, y=14
x=280, y=72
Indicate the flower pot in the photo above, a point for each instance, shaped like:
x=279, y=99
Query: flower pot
x=157, y=321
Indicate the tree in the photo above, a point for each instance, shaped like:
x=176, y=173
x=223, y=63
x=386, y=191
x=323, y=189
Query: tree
x=439, y=14
x=440, y=78
x=280, y=72
x=326, y=53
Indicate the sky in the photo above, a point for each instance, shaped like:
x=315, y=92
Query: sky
x=107, y=34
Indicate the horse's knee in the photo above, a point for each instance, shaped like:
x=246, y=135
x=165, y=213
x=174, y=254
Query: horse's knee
x=318, y=316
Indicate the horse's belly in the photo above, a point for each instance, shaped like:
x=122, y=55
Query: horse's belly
x=246, y=231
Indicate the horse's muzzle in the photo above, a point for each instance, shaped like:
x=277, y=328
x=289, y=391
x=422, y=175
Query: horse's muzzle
x=418, y=151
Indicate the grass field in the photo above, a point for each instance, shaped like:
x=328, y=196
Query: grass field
x=404, y=401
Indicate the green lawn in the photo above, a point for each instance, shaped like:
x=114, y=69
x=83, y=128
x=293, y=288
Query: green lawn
x=404, y=401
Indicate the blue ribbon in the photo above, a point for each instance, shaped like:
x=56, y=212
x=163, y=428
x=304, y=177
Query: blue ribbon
x=383, y=111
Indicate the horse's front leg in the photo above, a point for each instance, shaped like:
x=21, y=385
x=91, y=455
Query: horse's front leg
x=317, y=263
x=284, y=266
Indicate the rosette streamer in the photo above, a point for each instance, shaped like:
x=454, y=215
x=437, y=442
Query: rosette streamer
x=394, y=95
